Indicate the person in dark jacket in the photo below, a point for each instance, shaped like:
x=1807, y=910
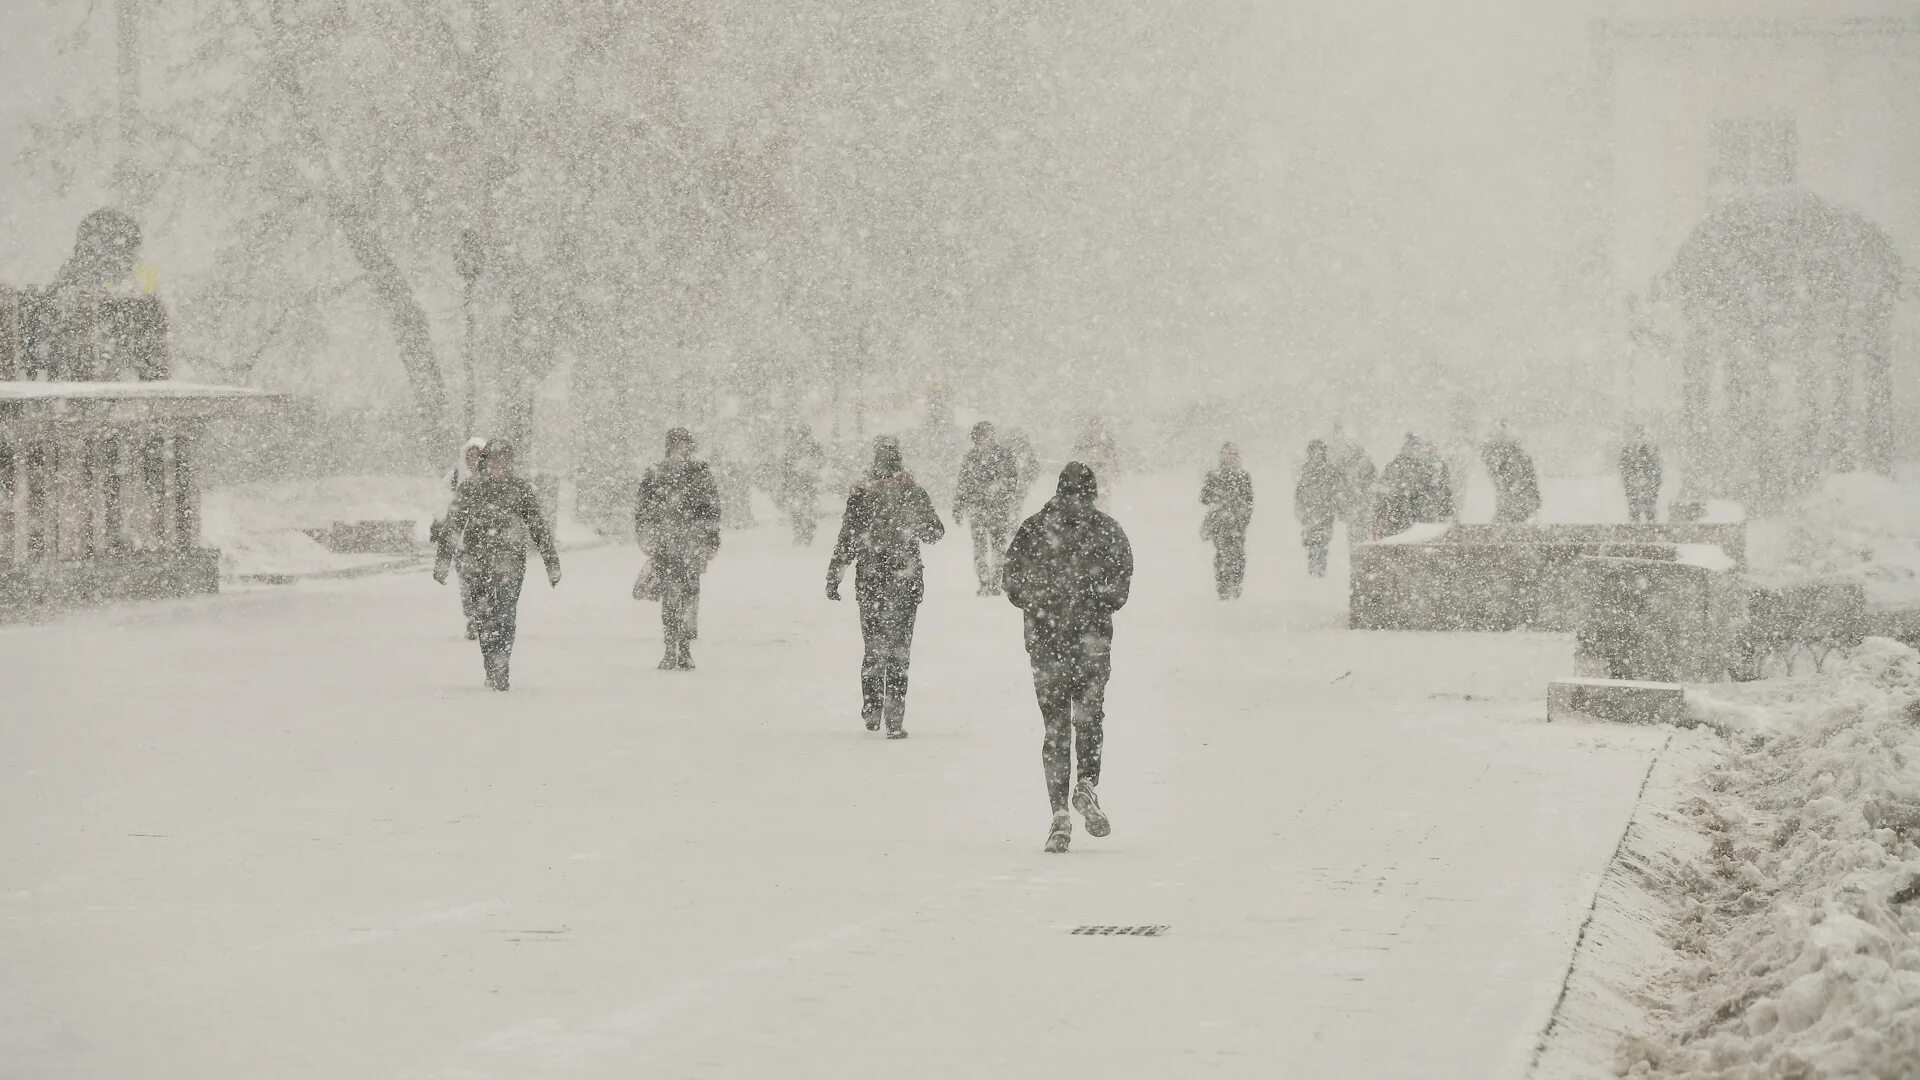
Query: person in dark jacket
x=1228, y=496
x=467, y=466
x=888, y=517
x=676, y=518
x=1357, y=475
x=1413, y=488
x=1316, y=500
x=800, y=462
x=985, y=493
x=1516, y=489
x=1640, y=475
x=1069, y=569
x=494, y=518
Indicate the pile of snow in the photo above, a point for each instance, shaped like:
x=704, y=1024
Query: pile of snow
x=1856, y=527
x=1800, y=927
x=261, y=528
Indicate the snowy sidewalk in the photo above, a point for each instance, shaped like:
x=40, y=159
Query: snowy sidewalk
x=286, y=834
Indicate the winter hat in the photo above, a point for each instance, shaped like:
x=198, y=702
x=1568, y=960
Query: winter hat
x=496, y=448
x=679, y=436
x=886, y=457
x=1077, y=482
x=983, y=430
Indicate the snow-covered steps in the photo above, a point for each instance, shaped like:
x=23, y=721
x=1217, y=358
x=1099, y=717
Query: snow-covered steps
x=1617, y=700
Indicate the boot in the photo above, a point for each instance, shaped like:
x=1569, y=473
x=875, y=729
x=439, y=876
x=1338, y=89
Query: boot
x=896, y=717
x=871, y=715
x=670, y=660
x=496, y=666
x=1061, y=834
x=683, y=658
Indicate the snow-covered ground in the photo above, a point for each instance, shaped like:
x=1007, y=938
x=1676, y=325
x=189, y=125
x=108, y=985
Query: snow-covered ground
x=285, y=833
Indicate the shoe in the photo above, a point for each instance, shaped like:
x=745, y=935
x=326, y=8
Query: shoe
x=1061, y=835
x=671, y=661
x=896, y=733
x=684, y=661
x=872, y=717
x=1085, y=801
x=473, y=632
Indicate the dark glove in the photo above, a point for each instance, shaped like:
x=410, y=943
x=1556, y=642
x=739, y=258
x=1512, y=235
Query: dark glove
x=553, y=574
x=833, y=586
x=440, y=571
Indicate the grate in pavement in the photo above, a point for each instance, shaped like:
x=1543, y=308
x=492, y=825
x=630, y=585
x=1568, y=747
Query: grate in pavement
x=1121, y=931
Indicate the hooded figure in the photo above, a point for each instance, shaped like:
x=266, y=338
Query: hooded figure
x=888, y=517
x=1640, y=476
x=1228, y=497
x=494, y=519
x=676, y=518
x=1413, y=488
x=1516, y=488
x=1069, y=569
x=1316, y=499
x=988, y=487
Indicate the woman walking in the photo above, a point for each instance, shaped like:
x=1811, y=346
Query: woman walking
x=495, y=516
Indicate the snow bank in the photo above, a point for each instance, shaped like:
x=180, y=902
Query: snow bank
x=1856, y=527
x=260, y=528
x=1799, y=929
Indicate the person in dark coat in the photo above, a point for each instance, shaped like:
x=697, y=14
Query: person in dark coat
x=1228, y=496
x=984, y=495
x=676, y=518
x=1069, y=569
x=494, y=518
x=1357, y=476
x=1413, y=488
x=800, y=462
x=1640, y=475
x=1028, y=460
x=1316, y=500
x=888, y=517
x=1516, y=489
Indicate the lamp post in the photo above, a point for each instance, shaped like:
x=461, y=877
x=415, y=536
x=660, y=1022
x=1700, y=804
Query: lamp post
x=469, y=259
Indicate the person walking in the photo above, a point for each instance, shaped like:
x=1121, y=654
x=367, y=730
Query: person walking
x=1069, y=569
x=800, y=462
x=1357, y=476
x=888, y=517
x=1413, y=488
x=1640, y=476
x=1516, y=488
x=988, y=485
x=1316, y=499
x=676, y=518
x=1228, y=496
x=494, y=518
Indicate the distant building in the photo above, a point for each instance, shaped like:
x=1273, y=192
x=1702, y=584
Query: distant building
x=1759, y=196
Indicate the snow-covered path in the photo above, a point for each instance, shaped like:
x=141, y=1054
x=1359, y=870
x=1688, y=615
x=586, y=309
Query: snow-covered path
x=285, y=833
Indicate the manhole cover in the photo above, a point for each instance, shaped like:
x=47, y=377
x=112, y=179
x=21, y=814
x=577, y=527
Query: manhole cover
x=1122, y=931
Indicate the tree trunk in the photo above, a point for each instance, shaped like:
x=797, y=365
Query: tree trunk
x=411, y=335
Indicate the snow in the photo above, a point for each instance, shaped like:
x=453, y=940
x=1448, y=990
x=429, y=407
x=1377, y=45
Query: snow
x=1858, y=527
x=285, y=833
x=14, y=390
x=1778, y=860
x=1706, y=556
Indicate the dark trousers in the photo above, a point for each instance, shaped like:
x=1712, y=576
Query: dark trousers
x=496, y=605
x=468, y=603
x=1070, y=681
x=1229, y=561
x=1640, y=508
x=886, y=631
x=679, y=578
x=990, y=534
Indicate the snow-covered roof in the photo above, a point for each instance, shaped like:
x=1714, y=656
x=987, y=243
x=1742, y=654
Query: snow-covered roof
x=122, y=391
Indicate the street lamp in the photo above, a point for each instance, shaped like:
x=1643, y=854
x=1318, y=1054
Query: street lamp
x=469, y=259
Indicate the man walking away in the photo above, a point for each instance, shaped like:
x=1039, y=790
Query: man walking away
x=1640, y=475
x=1228, y=497
x=1516, y=489
x=494, y=518
x=888, y=517
x=676, y=518
x=1070, y=568
x=989, y=483
x=1316, y=498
